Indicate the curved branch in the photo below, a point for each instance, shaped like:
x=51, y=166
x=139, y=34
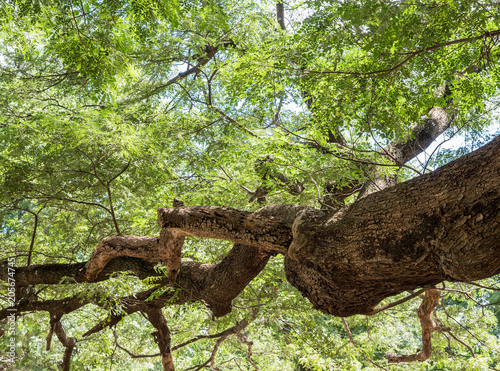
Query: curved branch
x=236, y=329
x=431, y=301
x=216, y=285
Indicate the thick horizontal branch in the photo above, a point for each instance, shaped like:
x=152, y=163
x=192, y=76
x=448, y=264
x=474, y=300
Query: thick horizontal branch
x=53, y=274
x=216, y=284
x=268, y=228
x=62, y=306
x=440, y=226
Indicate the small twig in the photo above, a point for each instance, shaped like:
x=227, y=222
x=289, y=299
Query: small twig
x=349, y=335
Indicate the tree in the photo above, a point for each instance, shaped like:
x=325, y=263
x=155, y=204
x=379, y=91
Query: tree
x=303, y=125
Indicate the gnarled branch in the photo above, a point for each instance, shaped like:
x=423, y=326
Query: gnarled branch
x=430, y=302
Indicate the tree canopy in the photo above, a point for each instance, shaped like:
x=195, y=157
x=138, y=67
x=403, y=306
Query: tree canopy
x=216, y=184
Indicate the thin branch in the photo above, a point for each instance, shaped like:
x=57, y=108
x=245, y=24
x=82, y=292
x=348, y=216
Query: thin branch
x=395, y=303
x=67, y=342
x=132, y=355
x=236, y=329
x=233, y=121
x=461, y=342
x=33, y=235
x=429, y=302
x=484, y=287
x=120, y=173
x=411, y=56
x=244, y=340
x=349, y=335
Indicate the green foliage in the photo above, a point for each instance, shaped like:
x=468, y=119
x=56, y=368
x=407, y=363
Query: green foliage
x=94, y=137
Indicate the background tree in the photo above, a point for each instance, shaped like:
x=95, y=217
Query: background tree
x=113, y=109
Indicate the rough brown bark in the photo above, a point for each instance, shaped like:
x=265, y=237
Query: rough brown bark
x=215, y=284
x=113, y=247
x=269, y=228
x=440, y=226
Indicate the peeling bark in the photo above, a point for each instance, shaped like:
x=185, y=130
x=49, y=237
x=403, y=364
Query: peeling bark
x=170, y=252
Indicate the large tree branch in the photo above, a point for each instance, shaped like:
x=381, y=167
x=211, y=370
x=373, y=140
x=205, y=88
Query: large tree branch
x=53, y=274
x=415, y=234
x=269, y=228
x=117, y=246
x=216, y=284
x=440, y=226
x=62, y=306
